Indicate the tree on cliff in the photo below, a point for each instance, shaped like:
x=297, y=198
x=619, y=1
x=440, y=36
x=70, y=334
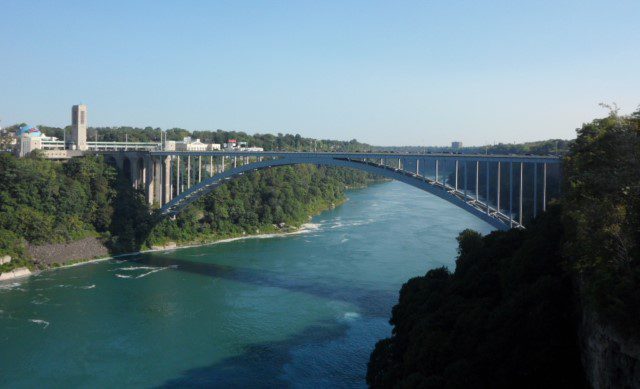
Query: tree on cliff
x=504, y=318
x=602, y=215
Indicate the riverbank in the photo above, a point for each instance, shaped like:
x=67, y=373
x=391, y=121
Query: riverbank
x=170, y=246
x=93, y=249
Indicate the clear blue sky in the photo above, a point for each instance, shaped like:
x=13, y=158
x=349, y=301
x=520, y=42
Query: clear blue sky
x=395, y=72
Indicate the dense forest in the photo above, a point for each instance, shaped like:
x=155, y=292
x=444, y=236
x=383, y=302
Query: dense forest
x=508, y=315
x=43, y=201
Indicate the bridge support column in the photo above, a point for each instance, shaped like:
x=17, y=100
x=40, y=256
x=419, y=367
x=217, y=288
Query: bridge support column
x=119, y=162
x=465, y=180
x=456, y=182
x=135, y=173
x=178, y=175
x=199, y=168
x=211, y=166
x=477, y=180
x=521, y=190
x=498, y=189
x=188, y=172
x=535, y=190
x=544, y=187
x=150, y=179
x=157, y=185
x=487, y=199
x=235, y=162
x=166, y=182
x=510, y=194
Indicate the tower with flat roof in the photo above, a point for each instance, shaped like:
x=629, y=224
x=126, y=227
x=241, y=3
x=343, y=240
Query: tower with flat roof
x=79, y=126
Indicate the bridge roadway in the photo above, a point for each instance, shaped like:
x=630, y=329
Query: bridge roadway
x=173, y=182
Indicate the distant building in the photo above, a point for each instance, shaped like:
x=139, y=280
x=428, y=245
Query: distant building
x=30, y=139
x=234, y=144
x=456, y=145
x=231, y=144
x=189, y=144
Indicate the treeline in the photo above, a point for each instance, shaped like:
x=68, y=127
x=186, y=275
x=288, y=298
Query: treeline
x=544, y=147
x=508, y=315
x=280, y=142
x=43, y=201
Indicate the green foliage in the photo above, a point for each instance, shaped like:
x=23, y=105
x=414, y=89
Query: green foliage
x=504, y=318
x=602, y=216
x=259, y=202
x=43, y=201
x=13, y=245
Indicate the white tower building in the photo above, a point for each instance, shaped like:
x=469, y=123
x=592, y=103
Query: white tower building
x=79, y=126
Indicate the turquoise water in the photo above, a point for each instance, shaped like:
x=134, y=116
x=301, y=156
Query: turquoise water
x=303, y=310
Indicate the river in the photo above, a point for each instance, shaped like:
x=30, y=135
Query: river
x=302, y=310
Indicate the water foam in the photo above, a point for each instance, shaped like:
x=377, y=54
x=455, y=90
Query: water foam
x=39, y=321
x=132, y=268
x=13, y=285
x=350, y=316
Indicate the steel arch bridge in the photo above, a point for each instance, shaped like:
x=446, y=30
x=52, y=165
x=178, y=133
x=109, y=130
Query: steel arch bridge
x=504, y=190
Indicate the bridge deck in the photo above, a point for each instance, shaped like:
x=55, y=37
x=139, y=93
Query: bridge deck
x=550, y=159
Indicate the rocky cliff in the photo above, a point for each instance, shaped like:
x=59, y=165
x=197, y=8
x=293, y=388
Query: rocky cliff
x=610, y=360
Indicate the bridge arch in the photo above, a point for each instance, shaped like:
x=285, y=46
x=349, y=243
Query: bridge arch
x=428, y=185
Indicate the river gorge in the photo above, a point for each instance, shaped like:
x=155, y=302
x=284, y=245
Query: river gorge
x=301, y=310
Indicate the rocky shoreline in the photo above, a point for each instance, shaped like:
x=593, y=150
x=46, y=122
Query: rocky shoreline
x=92, y=249
x=49, y=255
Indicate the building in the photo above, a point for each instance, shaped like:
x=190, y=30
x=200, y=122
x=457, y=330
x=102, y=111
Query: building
x=189, y=144
x=234, y=144
x=79, y=127
x=30, y=139
x=456, y=145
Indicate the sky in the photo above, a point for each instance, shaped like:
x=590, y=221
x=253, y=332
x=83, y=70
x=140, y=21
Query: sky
x=385, y=73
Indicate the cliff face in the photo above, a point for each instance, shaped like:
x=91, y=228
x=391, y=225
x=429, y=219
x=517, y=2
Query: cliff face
x=610, y=360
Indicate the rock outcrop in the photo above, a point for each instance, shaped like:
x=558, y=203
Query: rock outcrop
x=15, y=273
x=610, y=360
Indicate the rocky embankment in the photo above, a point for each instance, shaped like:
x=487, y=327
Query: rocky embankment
x=63, y=253
x=609, y=359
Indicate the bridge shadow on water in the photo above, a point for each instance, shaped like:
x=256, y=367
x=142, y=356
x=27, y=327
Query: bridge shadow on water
x=371, y=302
x=263, y=365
